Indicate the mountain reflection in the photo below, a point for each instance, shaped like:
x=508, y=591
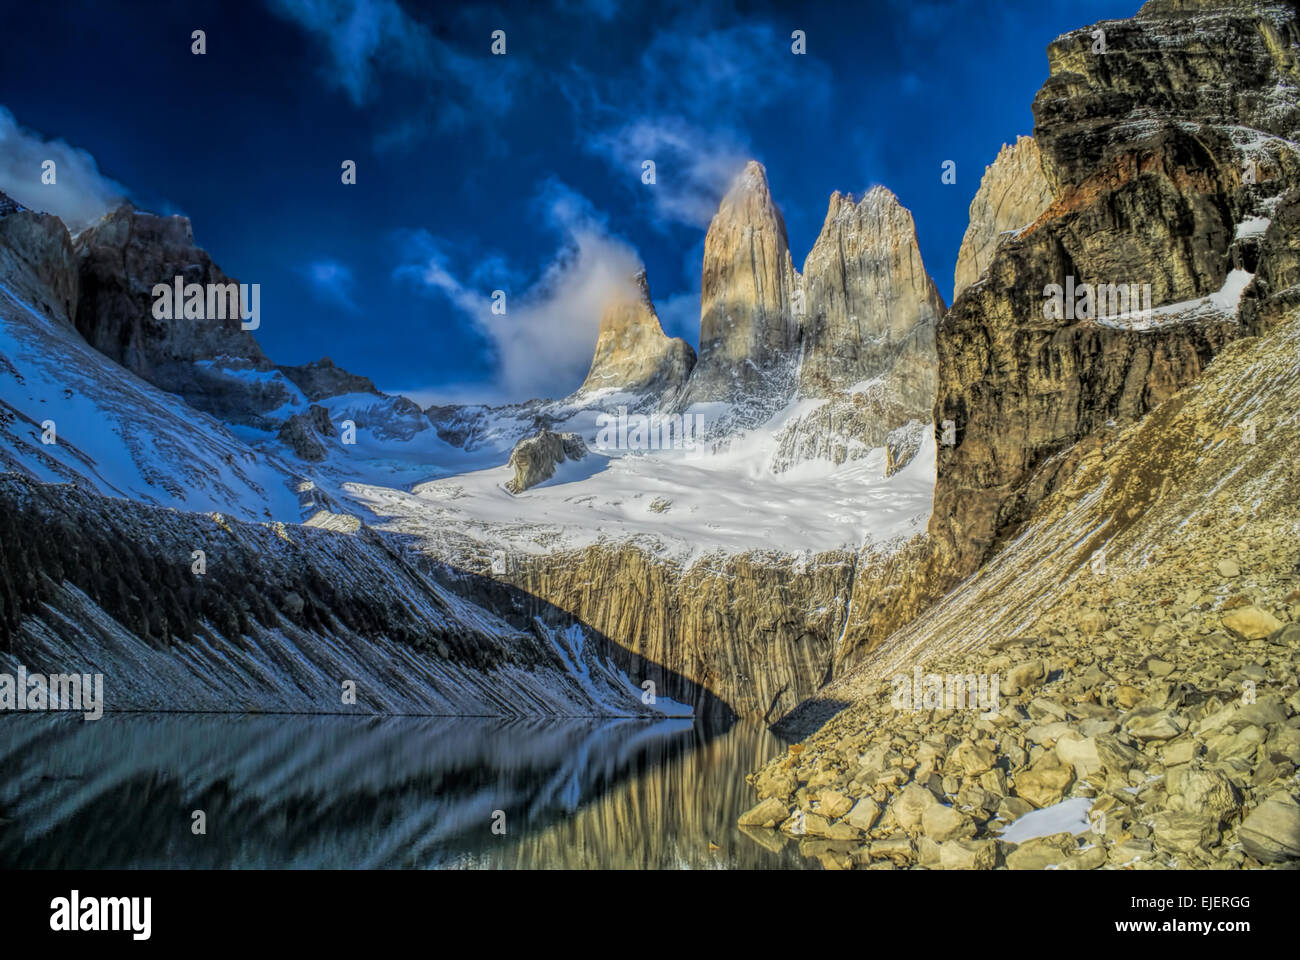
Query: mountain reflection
x=345, y=792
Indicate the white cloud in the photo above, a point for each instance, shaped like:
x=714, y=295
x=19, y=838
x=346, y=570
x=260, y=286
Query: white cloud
x=80, y=194
x=542, y=345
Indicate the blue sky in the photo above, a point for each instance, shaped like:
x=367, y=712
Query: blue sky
x=519, y=172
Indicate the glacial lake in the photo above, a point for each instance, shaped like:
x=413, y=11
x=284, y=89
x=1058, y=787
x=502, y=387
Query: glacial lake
x=282, y=791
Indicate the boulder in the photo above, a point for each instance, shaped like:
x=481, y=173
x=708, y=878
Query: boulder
x=766, y=813
x=1251, y=622
x=535, y=458
x=968, y=854
x=1046, y=780
x=1271, y=833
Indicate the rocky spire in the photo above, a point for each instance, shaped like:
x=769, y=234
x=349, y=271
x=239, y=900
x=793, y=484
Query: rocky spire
x=632, y=351
x=869, y=312
x=748, y=331
x=867, y=299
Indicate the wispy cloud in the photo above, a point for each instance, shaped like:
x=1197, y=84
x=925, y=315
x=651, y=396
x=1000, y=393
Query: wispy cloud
x=693, y=167
x=542, y=344
x=687, y=104
x=332, y=282
x=80, y=194
x=365, y=40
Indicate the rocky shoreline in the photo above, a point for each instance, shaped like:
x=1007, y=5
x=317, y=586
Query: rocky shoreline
x=1166, y=754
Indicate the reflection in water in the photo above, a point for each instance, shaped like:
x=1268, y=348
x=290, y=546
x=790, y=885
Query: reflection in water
x=344, y=792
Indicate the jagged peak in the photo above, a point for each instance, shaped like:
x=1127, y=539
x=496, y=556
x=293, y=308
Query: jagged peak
x=630, y=306
x=879, y=205
x=636, y=291
x=1022, y=147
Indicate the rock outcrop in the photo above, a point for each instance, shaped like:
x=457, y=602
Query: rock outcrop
x=1012, y=194
x=305, y=433
x=632, y=352
x=535, y=458
x=321, y=379
x=749, y=334
x=903, y=444
x=214, y=364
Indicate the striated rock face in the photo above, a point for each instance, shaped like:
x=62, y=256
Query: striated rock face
x=322, y=379
x=1013, y=192
x=748, y=332
x=213, y=364
x=1145, y=148
x=757, y=632
x=282, y=614
x=632, y=352
x=37, y=258
x=535, y=458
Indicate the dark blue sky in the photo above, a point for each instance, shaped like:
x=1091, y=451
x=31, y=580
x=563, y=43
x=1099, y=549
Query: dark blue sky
x=520, y=172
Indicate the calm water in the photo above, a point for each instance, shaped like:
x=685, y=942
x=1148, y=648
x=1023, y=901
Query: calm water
x=344, y=792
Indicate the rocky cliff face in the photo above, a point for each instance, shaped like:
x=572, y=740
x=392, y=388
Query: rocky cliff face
x=214, y=364
x=1144, y=147
x=1012, y=193
x=757, y=632
x=37, y=261
x=632, y=352
x=748, y=332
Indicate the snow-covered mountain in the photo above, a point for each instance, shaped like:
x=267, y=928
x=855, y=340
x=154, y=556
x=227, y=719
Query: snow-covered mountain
x=200, y=564
x=802, y=428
